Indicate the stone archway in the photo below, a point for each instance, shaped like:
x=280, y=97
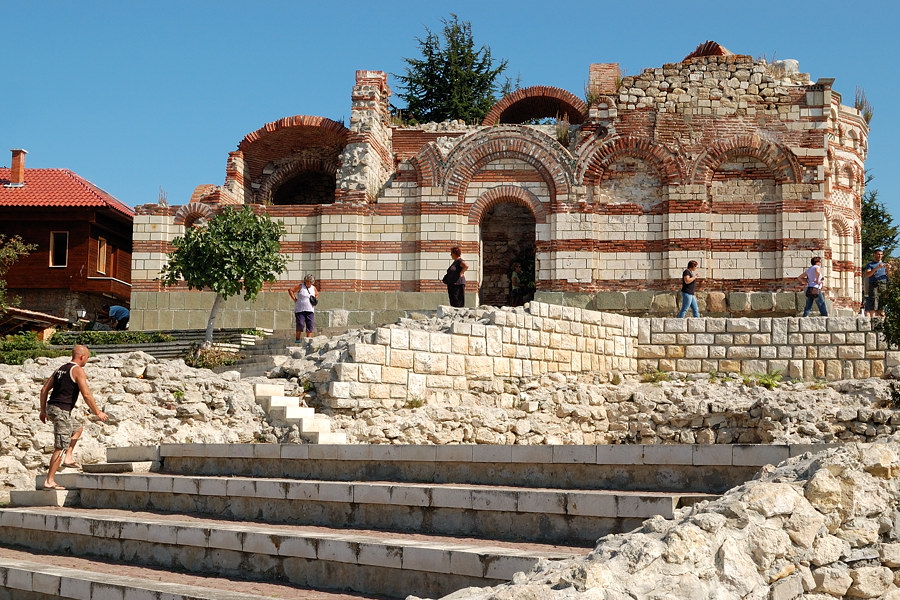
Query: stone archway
x=507, y=236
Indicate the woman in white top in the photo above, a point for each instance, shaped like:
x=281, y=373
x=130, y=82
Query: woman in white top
x=813, y=279
x=305, y=297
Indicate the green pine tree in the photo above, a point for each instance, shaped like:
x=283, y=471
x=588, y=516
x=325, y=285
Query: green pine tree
x=452, y=80
x=878, y=229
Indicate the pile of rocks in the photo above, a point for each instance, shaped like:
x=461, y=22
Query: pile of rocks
x=149, y=401
x=818, y=527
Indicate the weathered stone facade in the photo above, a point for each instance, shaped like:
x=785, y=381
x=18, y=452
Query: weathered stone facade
x=748, y=167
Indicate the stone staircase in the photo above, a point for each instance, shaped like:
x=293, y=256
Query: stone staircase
x=377, y=521
x=315, y=428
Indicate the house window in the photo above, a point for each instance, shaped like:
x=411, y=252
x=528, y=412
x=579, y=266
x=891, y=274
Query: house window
x=59, y=248
x=101, y=255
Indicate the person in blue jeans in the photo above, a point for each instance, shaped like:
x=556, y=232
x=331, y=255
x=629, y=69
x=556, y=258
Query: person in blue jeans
x=688, y=287
x=813, y=278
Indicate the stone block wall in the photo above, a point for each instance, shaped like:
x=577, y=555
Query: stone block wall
x=401, y=366
x=805, y=348
x=398, y=367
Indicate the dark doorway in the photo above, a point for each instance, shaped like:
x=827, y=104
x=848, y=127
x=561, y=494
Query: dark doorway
x=507, y=237
x=309, y=187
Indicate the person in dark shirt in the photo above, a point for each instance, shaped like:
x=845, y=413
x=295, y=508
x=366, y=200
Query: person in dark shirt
x=876, y=273
x=688, y=287
x=58, y=397
x=455, y=278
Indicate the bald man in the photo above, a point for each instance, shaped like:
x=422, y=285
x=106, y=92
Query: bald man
x=62, y=388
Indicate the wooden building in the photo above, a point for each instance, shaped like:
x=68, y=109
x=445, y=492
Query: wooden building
x=82, y=239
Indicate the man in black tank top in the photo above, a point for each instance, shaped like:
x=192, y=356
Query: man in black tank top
x=63, y=388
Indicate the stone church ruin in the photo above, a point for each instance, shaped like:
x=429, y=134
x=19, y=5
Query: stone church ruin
x=748, y=167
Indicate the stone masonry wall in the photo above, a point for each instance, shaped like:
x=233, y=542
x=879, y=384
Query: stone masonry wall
x=401, y=366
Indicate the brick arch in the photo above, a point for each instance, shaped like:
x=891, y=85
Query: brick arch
x=545, y=154
x=595, y=157
x=429, y=165
x=841, y=224
x=289, y=170
x=189, y=214
x=326, y=127
x=507, y=193
x=782, y=162
x=275, y=141
x=537, y=102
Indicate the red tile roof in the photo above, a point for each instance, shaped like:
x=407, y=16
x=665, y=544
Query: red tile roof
x=57, y=187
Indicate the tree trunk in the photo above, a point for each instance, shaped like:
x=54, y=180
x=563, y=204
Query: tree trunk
x=207, y=339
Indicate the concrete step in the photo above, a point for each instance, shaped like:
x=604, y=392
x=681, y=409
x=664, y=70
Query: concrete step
x=545, y=515
x=24, y=574
x=664, y=468
x=41, y=497
x=293, y=414
x=331, y=437
x=268, y=389
x=270, y=402
x=133, y=454
x=365, y=561
x=122, y=467
x=314, y=424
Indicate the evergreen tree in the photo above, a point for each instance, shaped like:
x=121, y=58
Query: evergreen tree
x=452, y=80
x=237, y=251
x=878, y=229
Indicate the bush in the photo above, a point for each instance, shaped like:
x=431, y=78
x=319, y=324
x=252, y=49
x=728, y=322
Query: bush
x=16, y=349
x=207, y=358
x=104, y=338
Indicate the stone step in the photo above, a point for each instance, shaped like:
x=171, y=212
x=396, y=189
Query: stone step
x=122, y=467
x=364, y=561
x=270, y=402
x=314, y=424
x=24, y=574
x=665, y=468
x=538, y=514
x=268, y=389
x=133, y=454
x=292, y=414
x=322, y=437
x=41, y=497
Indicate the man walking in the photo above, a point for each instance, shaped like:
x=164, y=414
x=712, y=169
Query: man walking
x=63, y=387
x=877, y=276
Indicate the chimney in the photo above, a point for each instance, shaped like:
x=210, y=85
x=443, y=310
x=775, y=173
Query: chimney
x=17, y=172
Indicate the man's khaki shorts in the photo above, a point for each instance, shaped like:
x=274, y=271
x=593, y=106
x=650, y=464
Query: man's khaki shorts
x=65, y=424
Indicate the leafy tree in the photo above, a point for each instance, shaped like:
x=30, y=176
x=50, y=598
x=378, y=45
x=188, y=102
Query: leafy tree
x=878, y=229
x=452, y=80
x=236, y=251
x=11, y=250
x=890, y=296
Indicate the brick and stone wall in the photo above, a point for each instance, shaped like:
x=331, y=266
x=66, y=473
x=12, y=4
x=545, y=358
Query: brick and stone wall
x=748, y=167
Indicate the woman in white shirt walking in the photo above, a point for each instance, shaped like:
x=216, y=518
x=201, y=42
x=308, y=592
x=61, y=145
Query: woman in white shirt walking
x=814, y=279
x=305, y=297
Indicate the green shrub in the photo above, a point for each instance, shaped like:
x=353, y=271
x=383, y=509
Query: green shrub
x=208, y=358
x=770, y=380
x=105, y=338
x=16, y=349
x=656, y=376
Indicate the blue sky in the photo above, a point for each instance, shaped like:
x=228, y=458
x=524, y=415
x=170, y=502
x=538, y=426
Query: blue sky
x=138, y=96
